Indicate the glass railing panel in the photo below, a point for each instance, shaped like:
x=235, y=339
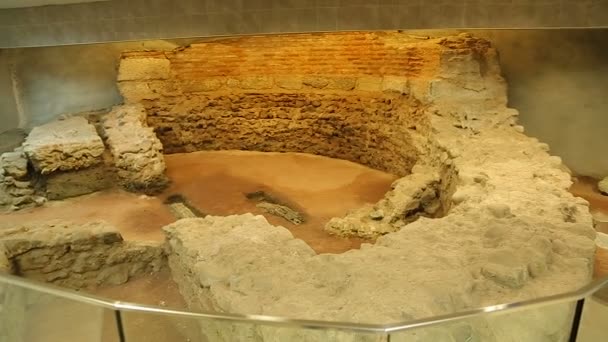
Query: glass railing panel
x=28, y=315
x=550, y=323
x=594, y=322
x=145, y=326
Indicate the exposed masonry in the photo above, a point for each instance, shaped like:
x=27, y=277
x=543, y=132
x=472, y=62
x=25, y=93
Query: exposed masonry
x=76, y=255
x=480, y=216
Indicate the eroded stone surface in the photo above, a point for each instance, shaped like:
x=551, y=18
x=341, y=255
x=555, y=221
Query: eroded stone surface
x=60, y=185
x=282, y=211
x=603, y=186
x=137, y=152
x=512, y=232
x=64, y=145
x=17, y=188
x=76, y=255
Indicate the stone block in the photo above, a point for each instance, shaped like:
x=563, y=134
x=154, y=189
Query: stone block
x=603, y=186
x=369, y=84
x=168, y=88
x=342, y=83
x=289, y=82
x=136, y=91
x=136, y=150
x=60, y=185
x=395, y=84
x=256, y=82
x=317, y=82
x=64, y=145
x=205, y=84
x=14, y=164
x=139, y=69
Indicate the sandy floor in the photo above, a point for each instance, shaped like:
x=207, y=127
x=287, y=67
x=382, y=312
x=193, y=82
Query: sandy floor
x=216, y=183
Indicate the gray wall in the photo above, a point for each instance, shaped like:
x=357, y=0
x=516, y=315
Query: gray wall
x=558, y=79
x=120, y=20
x=9, y=117
x=62, y=80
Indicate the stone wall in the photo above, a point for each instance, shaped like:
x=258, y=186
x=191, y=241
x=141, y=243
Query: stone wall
x=374, y=131
x=76, y=255
x=72, y=156
x=500, y=224
x=283, y=93
x=139, y=19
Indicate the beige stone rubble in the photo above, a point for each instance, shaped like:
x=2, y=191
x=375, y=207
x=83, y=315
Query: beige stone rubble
x=603, y=186
x=64, y=145
x=137, y=152
x=76, y=255
x=501, y=227
x=17, y=188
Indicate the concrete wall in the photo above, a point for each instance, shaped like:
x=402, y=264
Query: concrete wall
x=9, y=117
x=62, y=80
x=120, y=20
x=557, y=79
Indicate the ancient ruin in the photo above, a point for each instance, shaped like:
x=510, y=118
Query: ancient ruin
x=481, y=214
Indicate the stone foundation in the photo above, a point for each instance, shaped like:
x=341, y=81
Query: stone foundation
x=76, y=256
x=136, y=151
x=68, y=158
x=481, y=215
x=370, y=130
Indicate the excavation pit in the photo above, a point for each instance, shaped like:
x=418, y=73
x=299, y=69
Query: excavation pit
x=476, y=213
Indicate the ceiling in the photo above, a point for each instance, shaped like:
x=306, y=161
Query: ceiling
x=31, y=3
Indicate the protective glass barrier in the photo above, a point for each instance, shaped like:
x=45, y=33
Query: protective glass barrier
x=548, y=323
x=144, y=327
x=31, y=311
x=31, y=314
x=593, y=325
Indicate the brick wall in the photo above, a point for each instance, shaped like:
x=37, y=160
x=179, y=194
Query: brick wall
x=357, y=96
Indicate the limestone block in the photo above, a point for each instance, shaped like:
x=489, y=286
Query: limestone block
x=233, y=83
x=603, y=186
x=395, y=84
x=136, y=91
x=138, y=69
x=136, y=150
x=256, y=82
x=342, y=83
x=14, y=164
x=61, y=185
x=77, y=255
x=315, y=81
x=64, y=145
x=205, y=84
x=369, y=84
x=289, y=82
x=168, y=88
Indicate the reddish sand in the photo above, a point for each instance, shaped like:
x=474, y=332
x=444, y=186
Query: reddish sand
x=216, y=183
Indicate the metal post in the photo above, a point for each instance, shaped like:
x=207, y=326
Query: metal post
x=119, y=327
x=576, y=321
